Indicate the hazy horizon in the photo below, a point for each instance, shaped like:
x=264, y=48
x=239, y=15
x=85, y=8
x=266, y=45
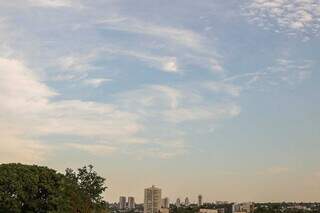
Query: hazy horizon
x=219, y=98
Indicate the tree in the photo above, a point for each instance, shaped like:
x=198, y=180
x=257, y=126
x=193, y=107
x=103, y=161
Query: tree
x=86, y=187
x=25, y=188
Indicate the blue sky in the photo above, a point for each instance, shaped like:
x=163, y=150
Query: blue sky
x=213, y=97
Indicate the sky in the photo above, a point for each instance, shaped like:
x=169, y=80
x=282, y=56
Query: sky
x=212, y=97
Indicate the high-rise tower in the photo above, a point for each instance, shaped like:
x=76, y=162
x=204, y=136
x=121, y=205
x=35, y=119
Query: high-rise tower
x=131, y=203
x=186, y=201
x=200, y=200
x=152, y=200
x=122, y=202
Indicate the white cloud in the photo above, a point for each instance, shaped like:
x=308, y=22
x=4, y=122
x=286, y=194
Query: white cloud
x=153, y=97
x=88, y=119
x=94, y=149
x=163, y=149
x=20, y=89
x=163, y=63
x=212, y=113
x=172, y=94
x=26, y=108
x=77, y=66
x=289, y=71
x=170, y=65
x=284, y=72
x=291, y=16
x=180, y=36
x=187, y=46
x=219, y=87
x=176, y=105
x=275, y=170
x=16, y=148
x=96, y=82
x=29, y=110
x=51, y=3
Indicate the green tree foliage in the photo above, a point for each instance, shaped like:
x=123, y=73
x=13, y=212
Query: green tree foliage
x=31, y=189
x=26, y=188
x=85, y=188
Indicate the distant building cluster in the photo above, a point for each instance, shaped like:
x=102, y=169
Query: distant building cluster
x=155, y=203
x=226, y=207
x=124, y=205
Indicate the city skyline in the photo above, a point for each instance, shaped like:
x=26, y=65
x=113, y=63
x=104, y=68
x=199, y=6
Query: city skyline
x=218, y=98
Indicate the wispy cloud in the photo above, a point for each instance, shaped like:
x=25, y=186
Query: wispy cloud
x=275, y=170
x=163, y=63
x=75, y=67
x=16, y=147
x=200, y=113
x=96, y=82
x=27, y=100
x=124, y=122
x=94, y=149
x=185, y=45
x=176, y=105
x=163, y=149
x=290, y=16
x=51, y=3
x=284, y=72
x=129, y=24
x=219, y=87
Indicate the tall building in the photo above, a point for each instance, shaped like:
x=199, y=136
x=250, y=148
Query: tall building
x=122, y=202
x=200, y=200
x=152, y=200
x=178, y=203
x=131, y=203
x=186, y=201
x=165, y=203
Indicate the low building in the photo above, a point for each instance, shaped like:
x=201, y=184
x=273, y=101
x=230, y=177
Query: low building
x=164, y=210
x=219, y=202
x=221, y=210
x=208, y=211
x=243, y=207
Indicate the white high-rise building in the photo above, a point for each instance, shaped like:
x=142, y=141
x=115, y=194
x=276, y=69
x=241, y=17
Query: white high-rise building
x=178, y=203
x=186, y=201
x=165, y=203
x=200, y=200
x=131, y=203
x=152, y=200
x=122, y=202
